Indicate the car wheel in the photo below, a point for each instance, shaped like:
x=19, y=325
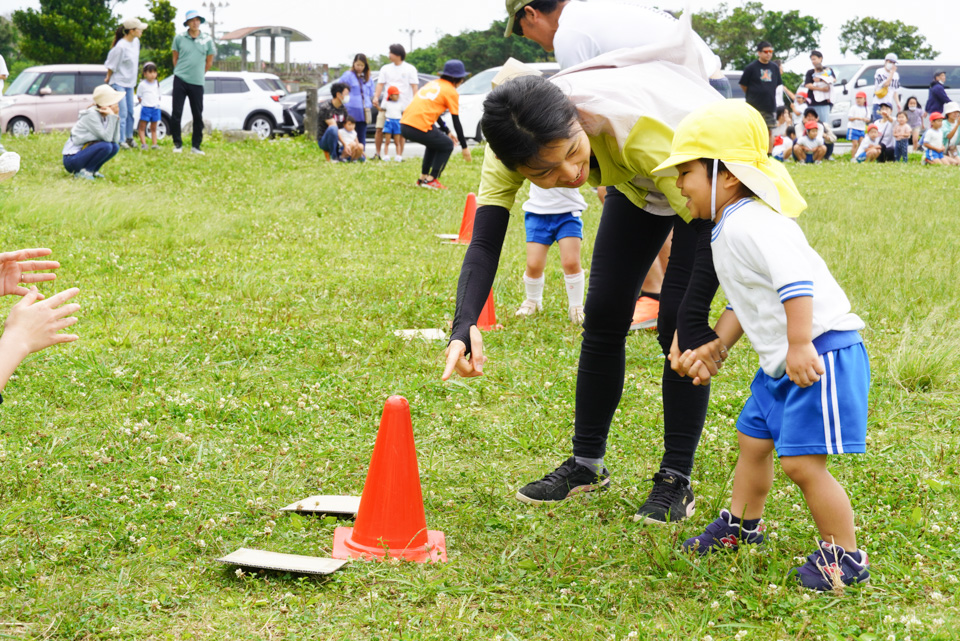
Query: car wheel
x=20, y=127
x=262, y=125
x=163, y=128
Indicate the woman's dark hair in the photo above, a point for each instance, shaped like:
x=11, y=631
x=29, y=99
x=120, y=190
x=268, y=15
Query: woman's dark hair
x=338, y=87
x=543, y=6
x=811, y=110
x=522, y=116
x=149, y=66
x=398, y=50
x=366, y=66
x=453, y=81
x=779, y=113
x=906, y=103
x=118, y=35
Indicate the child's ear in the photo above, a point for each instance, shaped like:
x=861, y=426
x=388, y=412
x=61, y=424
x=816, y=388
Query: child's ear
x=728, y=180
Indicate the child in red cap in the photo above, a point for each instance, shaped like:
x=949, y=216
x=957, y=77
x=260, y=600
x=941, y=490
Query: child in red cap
x=857, y=122
x=870, y=147
x=933, y=149
x=394, y=110
x=810, y=145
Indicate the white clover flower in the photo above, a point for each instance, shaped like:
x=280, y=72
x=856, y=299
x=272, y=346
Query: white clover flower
x=740, y=635
x=715, y=605
x=731, y=594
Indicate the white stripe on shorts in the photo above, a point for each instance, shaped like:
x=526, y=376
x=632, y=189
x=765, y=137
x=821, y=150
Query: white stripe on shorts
x=836, y=405
x=824, y=380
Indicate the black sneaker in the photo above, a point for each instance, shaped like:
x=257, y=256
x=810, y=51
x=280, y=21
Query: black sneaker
x=562, y=483
x=670, y=500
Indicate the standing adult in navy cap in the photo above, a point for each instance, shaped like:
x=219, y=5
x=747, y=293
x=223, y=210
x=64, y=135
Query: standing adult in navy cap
x=193, y=53
x=422, y=123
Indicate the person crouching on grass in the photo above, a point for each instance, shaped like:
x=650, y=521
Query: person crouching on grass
x=95, y=138
x=810, y=147
x=870, y=148
x=934, y=149
x=809, y=399
x=352, y=148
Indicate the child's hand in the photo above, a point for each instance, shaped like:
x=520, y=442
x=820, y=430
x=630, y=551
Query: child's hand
x=13, y=273
x=804, y=365
x=34, y=324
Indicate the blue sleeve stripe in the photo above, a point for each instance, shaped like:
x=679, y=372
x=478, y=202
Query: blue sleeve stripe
x=808, y=283
x=730, y=308
x=785, y=297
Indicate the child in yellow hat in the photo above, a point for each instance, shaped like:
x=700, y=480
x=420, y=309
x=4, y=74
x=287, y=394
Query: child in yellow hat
x=809, y=398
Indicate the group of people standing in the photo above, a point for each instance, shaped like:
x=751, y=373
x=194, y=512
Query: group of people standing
x=405, y=111
x=108, y=126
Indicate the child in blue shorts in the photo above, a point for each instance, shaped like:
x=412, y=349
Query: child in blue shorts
x=809, y=399
x=857, y=122
x=553, y=216
x=148, y=94
x=391, y=128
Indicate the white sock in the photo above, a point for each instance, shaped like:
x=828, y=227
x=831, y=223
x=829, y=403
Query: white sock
x=534, y=287
x=575, y=285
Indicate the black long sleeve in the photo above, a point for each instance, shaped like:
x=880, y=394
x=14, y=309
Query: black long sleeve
x=459, y=129
x=479, y=268
x=693, y=316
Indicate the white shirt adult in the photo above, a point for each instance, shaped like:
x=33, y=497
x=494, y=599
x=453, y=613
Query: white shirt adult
x=888, y=71
x=123, y=62
x=3, y=73
x=403, y=76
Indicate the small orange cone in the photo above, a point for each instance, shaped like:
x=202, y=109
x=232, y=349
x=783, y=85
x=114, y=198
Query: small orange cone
x=466, y=224
x=488, y=315
x=391, y=521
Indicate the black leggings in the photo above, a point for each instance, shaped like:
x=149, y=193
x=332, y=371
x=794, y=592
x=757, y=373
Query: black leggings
x=628, y=241
x=438, y=148
x=181, y=91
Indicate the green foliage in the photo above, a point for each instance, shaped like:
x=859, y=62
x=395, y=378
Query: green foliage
x=478, y=50
x=734, y=33
x=9, y=40
x=158, y=37
x=874, y=38
x=66, y=31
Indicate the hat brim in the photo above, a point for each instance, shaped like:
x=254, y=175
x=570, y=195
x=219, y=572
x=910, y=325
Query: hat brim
x=509, y=31
x=9, y=165
x=112, y=99
x=202, y=20
x=669, y=166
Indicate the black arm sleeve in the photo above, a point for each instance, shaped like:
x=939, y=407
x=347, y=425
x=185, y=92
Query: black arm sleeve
x=459, y=129
x=443, y=126
x=479, y=268
x=693, y=316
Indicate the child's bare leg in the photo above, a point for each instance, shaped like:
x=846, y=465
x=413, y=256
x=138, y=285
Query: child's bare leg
x=819, y=153
x=573, y=279
x=800, y=153
x=827, y=500
x=916, y=139
x=537, y=259
x=153, y=133
x=142, y=129
x=854, y=145
x=399, y=143
x=569, y=255
x=753, y=477
x=386, y=141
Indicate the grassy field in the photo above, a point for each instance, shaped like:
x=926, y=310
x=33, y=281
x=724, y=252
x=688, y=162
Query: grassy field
x=236, y=350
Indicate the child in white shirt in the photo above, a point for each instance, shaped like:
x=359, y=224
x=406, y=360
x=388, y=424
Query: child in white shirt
x=810, y=147
x=394, y=111
x=857, y=122
x=148, y=95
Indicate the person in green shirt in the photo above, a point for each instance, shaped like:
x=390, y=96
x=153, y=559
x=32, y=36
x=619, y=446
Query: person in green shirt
x=193, y=53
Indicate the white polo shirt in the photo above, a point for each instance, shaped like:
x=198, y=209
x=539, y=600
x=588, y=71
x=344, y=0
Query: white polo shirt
x=762, y=260
x=400, y=76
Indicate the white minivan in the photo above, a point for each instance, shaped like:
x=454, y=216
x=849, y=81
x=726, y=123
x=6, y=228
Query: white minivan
x=915, y=79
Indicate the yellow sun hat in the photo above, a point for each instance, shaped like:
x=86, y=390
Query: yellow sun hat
x=734, y=133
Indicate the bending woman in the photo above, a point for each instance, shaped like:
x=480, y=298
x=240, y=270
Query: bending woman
x=417, y=123
x=608, y=121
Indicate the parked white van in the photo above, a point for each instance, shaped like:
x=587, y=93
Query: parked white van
x=915, y=79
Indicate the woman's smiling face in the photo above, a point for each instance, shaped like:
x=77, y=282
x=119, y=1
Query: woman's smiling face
x=562, y=163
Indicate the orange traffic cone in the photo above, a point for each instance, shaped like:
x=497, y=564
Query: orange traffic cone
x=390, y=521
x=488, y=315
x=466, y=224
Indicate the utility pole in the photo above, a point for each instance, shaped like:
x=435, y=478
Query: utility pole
x=410, y=32
x=212, y=7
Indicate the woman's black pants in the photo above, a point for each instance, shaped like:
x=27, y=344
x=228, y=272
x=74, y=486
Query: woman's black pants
x=438, y=148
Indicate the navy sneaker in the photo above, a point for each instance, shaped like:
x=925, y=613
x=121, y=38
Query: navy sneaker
x=670, y=500
x=562, y=483
x=723, y=534
x=831, y=567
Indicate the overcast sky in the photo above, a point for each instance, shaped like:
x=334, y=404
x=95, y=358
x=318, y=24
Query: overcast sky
x=340, y=29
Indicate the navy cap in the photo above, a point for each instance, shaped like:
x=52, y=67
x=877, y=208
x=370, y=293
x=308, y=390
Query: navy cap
x=454, y=68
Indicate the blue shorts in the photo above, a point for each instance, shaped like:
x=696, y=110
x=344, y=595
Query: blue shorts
x=829, y=417
x=547, y=229
x=930, y=154
x=392, y=126
x=149, y=114
x=855, y=134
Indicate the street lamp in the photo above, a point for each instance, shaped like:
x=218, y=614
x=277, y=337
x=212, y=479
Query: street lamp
x=212, y=8
x=410, y=32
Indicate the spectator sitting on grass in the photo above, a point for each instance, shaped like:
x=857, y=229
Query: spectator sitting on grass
x=885, y=126
x=915, y=116
x=901, y=136
x=352, y=149
x=951, y=128
x=95, y=138
x=870, y=148
x=783, y=145
x=331, y=116
x=810, y=147
x=933, y=147
x=810, y=115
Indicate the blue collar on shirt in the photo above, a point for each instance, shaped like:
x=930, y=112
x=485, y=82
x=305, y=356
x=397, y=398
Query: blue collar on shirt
x=725, y=213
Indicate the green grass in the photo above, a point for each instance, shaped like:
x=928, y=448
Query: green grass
x=236, y=352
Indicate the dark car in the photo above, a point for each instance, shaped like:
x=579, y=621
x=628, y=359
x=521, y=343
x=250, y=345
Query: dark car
x=295, y=105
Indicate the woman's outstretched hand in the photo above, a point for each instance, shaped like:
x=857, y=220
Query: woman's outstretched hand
x=457, y=356
x=17, y=267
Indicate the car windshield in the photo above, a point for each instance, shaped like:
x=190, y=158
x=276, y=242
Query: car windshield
x=479, y=84
x=845, y=72
x=22, y=83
